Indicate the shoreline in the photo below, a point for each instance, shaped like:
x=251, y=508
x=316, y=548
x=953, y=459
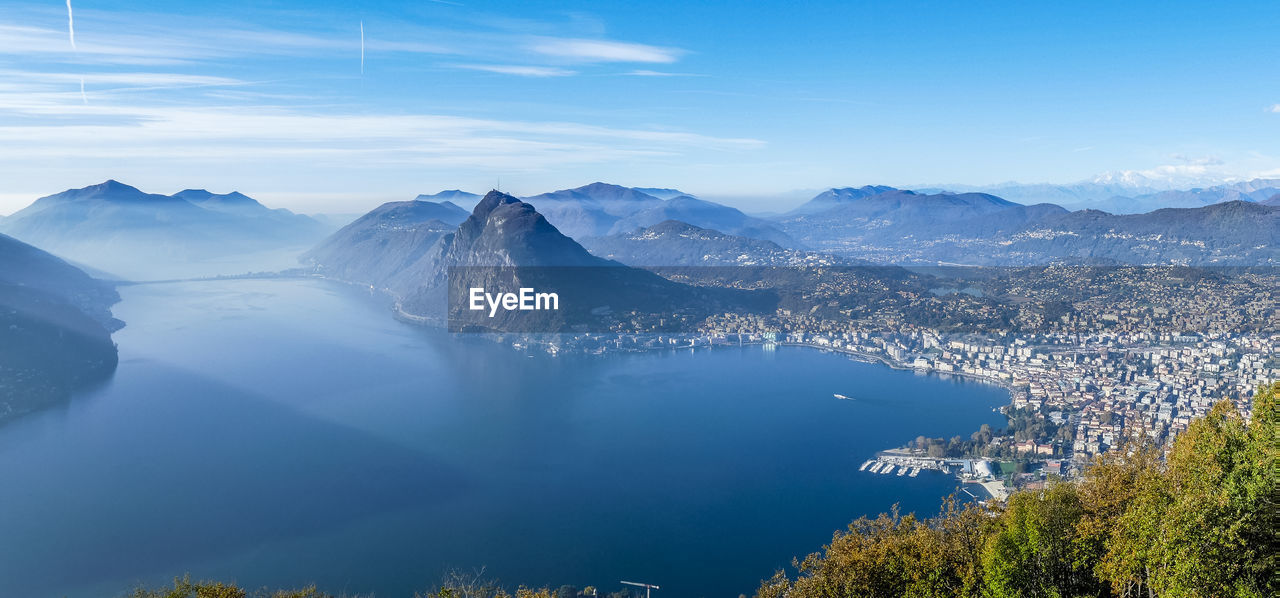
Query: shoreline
x=994, y=492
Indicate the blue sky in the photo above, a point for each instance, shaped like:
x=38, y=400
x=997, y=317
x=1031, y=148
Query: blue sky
x=748, y=100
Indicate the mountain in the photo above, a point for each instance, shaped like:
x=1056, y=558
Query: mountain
x=600, y=209
x=901, y=227
x=1084, y=193
x=227, y=202
x=834, y=197
x=121, y=229
x=675, y=243
x=504, y=244
x=896, y=217
x=1274, y=201
x=591, y=210
x=460, y=198
x=379, y=245
x=1228, y=233
x=661, y=193
x=1128, y=193
x=55, y=329
x=704, y=214
x=1257, y=190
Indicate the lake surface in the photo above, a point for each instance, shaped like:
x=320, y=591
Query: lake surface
x=285, y=432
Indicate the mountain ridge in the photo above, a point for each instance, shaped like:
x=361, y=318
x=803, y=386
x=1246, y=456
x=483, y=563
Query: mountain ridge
x=116, y=227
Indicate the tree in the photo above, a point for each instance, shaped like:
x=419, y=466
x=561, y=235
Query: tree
x=1032, y=552
x=894, y=555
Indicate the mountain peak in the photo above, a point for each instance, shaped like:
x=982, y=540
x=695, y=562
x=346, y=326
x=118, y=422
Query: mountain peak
x=863, y=191
x=662, y=193
x=841, y=195
x=599, y=186
x=609, y=192
x=207, y=199
x=111, y=186
x=456, y=195
x=109, y=190
x=490, y=202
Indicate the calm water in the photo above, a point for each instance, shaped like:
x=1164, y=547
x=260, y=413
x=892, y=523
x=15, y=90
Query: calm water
x=287, y=432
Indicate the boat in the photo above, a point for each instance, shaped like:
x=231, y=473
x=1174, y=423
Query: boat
x=902, y=471
x=915, y=471
x=864, y=465
x=875, y=468
x=842, y=397
x=888, y=469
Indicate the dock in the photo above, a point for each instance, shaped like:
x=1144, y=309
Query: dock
x=911, y=465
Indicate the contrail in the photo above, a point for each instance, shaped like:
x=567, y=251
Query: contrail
x=83, y=98
x=71, y=25
x=361, y=43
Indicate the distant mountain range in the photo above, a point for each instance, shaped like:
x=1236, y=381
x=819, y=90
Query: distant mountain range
x=883, y=224
x=1122, y=195
x=662, y=193
x=454, y=196
x=1228, y=233
x=503, y=245
x=55, y=328
x=118, y=228
x=601, y=209
x=676, y=243
x=865, y=218
x=975, y=228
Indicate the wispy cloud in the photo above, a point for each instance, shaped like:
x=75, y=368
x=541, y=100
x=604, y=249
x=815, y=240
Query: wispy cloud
x=71, y=26
x=1274, y=108
x=1198, y=161
x=590, y=50
x=284, y=136
x=649, y=73
x=520, y=70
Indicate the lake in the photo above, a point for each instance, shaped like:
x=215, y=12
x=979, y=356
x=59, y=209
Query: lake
x=285, y=432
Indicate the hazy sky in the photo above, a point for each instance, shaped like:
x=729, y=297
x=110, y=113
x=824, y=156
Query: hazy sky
x=715, y=98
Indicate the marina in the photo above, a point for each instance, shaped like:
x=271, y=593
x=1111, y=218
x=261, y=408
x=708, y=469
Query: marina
x=910, y=464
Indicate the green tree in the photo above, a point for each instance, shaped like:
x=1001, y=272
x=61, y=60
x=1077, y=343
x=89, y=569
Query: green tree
x=894, y=555
x=1032, y=552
